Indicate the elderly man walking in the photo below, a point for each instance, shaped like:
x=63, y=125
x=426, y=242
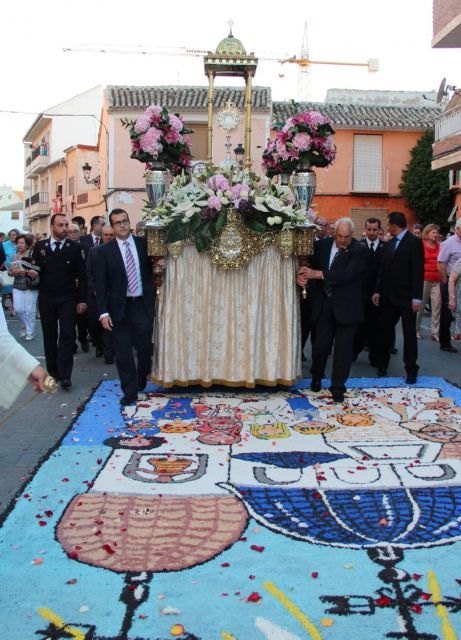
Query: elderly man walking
x=335, y=286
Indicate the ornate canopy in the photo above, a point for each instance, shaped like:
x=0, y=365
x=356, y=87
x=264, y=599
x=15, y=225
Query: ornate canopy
x=230, y=59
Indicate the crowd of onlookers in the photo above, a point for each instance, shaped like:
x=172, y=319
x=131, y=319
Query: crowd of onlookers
x=441, y=277
x=441, y=294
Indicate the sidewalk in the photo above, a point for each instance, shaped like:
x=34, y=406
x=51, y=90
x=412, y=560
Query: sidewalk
x=36, y=423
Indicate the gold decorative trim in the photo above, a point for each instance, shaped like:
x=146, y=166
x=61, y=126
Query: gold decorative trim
x=175, y=248
x=226, y=383
x=304, y=241
x=285, y=243
x=236, y=244
x=156, y=242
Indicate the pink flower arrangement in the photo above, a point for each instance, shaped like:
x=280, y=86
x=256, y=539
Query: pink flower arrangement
x=160, y=137
x=304, y=140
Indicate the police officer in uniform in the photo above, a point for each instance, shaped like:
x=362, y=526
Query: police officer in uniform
x=62, y=294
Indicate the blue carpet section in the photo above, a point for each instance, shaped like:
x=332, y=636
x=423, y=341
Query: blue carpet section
x=404, y=518
x=325, y=559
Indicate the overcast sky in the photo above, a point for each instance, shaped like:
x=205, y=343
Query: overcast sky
x=36, y=73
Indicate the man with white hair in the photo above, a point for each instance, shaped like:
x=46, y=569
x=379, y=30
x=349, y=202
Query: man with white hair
x=335, y=286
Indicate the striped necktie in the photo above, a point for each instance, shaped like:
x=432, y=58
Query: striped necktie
x=130, y=269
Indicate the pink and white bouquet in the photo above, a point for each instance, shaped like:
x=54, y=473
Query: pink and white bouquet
x=160, y=137
x=304, y=140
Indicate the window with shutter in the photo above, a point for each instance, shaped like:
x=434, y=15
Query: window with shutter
x=368, y=163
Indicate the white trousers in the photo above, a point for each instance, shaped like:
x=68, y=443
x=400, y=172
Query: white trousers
x=25, y=303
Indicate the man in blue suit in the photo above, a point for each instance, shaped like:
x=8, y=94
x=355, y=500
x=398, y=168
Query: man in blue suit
x=125, y=299
x=335, y=287
x=398, y=293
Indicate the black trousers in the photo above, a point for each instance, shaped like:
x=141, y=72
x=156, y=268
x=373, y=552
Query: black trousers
x=366, y=334
x=133, y=332
x=446, y=317
x=82, y=327
x=326, y=331
x=388, y=318
x=58, y=319
x=94, y=326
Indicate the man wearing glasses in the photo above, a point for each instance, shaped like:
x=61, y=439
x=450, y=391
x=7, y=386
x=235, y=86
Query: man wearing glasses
x=125, y=300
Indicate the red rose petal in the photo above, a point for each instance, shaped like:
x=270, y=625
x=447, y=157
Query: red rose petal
x=108, y=549
x=315, y=574
x=225, y=564
x=257, y=548
x=254, y=597
x=42, y=523
x=383, y=601
x=416, y=576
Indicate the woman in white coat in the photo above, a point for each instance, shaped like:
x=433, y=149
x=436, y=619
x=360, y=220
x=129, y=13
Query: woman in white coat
x=18, y=367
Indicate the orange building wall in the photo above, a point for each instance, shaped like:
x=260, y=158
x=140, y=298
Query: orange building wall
x=334, y=197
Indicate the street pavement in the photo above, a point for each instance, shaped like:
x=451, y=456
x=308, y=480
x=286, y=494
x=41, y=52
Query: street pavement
x=36, y=422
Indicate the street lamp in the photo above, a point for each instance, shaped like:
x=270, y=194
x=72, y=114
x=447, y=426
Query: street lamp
x=87, y=173
x=239, y=152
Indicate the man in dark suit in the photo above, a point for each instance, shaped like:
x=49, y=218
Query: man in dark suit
x=93, y=239
x=366, y=334
x=62, y=295
x=335, y=287
x=398, y=294
x=125, y=299
x=101, y=338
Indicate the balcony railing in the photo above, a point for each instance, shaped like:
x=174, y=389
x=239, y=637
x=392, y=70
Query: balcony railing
x=37, y=161
x=38, y=204
x=448, y=124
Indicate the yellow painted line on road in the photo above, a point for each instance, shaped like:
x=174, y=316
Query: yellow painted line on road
x=59, y=622
x=294, y=610
x=448, y=633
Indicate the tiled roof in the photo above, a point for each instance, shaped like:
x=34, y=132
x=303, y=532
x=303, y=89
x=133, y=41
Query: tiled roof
x=357, y=116
x=342, y=115
x=183, y=98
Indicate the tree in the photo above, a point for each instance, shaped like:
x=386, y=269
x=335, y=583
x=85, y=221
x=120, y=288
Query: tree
x=426, y=191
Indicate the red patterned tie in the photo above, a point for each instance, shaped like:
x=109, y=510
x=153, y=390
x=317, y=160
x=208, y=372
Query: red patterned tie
x=130, y=269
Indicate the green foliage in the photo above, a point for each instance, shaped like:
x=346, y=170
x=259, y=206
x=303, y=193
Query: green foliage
x=426, y=191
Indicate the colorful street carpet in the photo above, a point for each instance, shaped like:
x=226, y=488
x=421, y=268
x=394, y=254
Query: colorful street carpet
x=243, y=515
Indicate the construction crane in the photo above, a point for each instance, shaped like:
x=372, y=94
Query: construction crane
x=303, y=61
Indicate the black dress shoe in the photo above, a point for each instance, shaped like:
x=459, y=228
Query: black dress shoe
x=109, y=360
x=382, y=373
x=66, y=383
x=98, y=352
x=337, y=396
x=449, y=349
x=85, y=347
x=411, y=379
x=126, y=400
x=142, y=382
x=316, y=384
